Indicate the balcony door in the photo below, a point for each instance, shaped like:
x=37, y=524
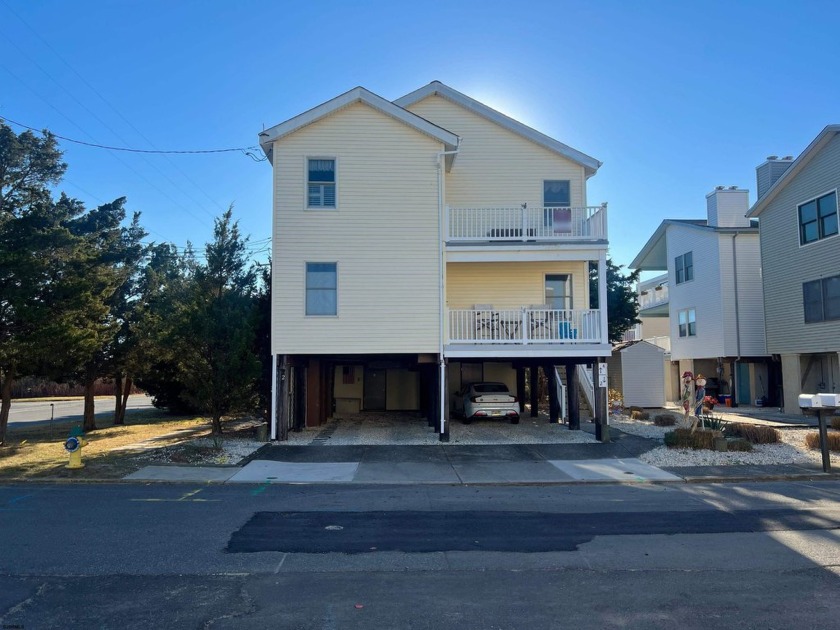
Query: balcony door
x=557, y=200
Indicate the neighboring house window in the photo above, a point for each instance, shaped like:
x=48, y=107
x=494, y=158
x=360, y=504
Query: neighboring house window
x=821, y=299
x=688, y=323
x=321, y=183
x=818, y=218
x=684, y=266
x=321, y=288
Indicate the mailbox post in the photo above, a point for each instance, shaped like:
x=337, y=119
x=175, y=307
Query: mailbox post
x=817, y=403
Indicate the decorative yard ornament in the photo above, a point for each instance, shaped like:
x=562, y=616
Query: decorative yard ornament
x=699, y=399
x=687, y=397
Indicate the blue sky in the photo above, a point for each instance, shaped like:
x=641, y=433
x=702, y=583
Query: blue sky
x=674, y=97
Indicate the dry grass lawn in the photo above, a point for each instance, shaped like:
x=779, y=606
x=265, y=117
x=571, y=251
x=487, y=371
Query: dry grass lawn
x=38, y=452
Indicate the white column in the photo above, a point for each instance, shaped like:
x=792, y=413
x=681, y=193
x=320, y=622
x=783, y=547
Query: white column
x=273, y=421
x=602, y=295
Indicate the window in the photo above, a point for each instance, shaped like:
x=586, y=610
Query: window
x=558, y=292
x=688, y=323
x=321, y=289
x=556, y=193
x=821, y=299
x=684, y=266
x=321, y=183
x=818, y=218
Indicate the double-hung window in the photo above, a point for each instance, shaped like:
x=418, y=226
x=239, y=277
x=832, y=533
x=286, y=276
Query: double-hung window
x=688, y=323
x=821, y=299
x=320, y=183
x=818, y=218
x=321, y=288
x=684, y=267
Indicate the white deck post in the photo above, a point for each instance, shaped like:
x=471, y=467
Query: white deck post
x=602, y=295
x=273, y=426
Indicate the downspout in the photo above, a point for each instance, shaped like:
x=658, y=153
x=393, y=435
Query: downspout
x=737, y=319
x=442, y=290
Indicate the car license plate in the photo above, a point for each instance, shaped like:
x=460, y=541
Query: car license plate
x=497, y=412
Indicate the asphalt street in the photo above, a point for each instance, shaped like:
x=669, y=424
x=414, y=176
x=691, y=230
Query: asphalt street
x=762, y=555
x=38, y=412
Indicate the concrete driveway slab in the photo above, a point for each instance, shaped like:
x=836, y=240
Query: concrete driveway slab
x=406, y=472
x=509, y=472
x=288, y=472
x=613, y=470
x=183, y=473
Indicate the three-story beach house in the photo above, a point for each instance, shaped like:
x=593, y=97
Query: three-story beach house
x=423, y=244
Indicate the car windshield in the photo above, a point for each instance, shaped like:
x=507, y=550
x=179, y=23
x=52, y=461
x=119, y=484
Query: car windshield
x=490, y=388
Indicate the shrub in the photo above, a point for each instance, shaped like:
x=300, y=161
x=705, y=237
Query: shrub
x=614, y=396
x=739, y=444
x=835, y=423
x=635, y=408
x=684, y=438
x=813, y=441
x=755, y=433
x=664, y=420
x=715, y=424
x=639, y=415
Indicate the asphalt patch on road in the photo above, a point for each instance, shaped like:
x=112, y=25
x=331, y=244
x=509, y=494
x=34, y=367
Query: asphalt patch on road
x=524, y=532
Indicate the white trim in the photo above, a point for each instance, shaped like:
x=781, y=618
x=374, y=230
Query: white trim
x=568, y=252
x=306, y=206
x=558, y=351
x=356, y=95
x=590, y=164
x=799, y=225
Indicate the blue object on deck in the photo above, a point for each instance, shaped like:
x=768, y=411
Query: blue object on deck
x=566, y=331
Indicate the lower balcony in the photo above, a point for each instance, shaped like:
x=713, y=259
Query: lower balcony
x=526, y=331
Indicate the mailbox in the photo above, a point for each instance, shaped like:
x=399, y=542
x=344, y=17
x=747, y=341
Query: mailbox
x=829, y=400
x=809, y=401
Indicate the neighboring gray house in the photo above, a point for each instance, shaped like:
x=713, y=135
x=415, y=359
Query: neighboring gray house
x=800, y=259
x=714, y=305
x=636, y=369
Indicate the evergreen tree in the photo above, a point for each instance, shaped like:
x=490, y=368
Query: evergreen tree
x=622, y=302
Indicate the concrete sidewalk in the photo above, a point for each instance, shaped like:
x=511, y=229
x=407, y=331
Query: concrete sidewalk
x=616, y=462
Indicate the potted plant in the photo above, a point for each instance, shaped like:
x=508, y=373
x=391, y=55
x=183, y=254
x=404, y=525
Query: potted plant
x=709, y=403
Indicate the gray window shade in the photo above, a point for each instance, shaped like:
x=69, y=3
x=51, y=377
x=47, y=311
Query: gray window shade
x=831, y=297
x=812, y=301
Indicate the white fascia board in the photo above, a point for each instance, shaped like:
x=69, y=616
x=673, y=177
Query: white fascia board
x=488, y=253
x=559, y=352
x=357, y=95
x=590, y=164
x=796, y=166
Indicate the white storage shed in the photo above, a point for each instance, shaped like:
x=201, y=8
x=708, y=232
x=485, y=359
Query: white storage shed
x=637, y=370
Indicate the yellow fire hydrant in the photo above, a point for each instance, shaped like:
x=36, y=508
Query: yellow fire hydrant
x=73, y=445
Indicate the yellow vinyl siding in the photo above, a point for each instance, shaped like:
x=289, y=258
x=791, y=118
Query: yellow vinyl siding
x=511, y=285
x=383, y=237
x=495, y=166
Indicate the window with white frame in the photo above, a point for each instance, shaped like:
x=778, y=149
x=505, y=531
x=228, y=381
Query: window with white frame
x=684, y=267
x=821, y=299
x=320, y=183
x=818, y=218
x=688, y=323
x=321, y=288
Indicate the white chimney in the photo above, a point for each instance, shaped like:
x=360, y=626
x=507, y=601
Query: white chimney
x=726, y=206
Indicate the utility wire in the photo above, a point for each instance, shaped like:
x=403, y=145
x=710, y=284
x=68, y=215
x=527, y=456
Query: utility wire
x=131, y=150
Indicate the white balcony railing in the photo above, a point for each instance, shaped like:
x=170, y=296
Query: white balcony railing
x=522, y=223
x=524, y=326
x=655, y=296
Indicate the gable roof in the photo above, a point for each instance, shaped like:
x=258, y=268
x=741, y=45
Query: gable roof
x=824, y=137
x=590, y=164
x=357, y=95
x=654, y=257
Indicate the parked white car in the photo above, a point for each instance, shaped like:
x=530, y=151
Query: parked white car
x=487, y=400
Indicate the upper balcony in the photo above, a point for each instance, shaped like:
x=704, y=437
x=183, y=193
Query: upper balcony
x=524, y=224
x=653, y=297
